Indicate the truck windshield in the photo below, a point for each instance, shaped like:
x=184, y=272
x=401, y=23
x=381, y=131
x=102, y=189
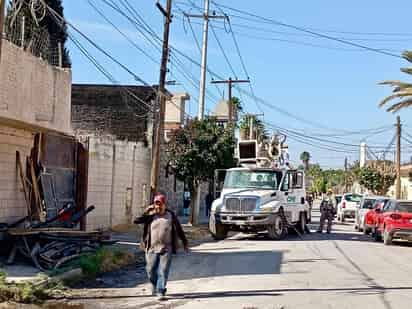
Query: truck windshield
x=253, y=179
x=353, y=198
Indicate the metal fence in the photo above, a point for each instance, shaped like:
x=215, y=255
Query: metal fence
x=23, y=31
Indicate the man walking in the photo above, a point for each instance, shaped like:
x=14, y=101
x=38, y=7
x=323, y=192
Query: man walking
x=327, y=212
x=160, y=240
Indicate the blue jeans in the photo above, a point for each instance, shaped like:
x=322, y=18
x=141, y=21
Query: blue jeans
x=157, y=267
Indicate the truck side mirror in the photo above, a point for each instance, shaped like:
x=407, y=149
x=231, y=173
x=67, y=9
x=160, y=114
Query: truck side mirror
x=302, y=200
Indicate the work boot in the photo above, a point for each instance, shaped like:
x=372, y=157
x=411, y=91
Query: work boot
x=161, y=297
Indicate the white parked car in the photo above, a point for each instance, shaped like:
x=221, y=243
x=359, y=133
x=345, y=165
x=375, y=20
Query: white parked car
x=348, y=206
x=366, y=204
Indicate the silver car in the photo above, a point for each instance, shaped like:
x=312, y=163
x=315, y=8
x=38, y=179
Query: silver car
x=365, y=205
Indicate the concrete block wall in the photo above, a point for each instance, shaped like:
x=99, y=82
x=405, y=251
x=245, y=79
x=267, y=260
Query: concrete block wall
x=12, y=203
x=119, y=181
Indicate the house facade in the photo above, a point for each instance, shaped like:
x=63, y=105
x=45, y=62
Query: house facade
x=116, y=124
x=34, y=98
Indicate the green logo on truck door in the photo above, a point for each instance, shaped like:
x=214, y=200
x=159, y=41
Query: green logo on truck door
x=291, y=199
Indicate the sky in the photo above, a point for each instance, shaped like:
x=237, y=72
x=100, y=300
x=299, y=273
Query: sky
x=325, y=89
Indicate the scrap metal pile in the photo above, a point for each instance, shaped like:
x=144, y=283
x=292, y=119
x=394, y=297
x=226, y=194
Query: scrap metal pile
x=54, y=185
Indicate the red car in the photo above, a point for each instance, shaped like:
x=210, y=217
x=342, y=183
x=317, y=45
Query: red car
x=394, y=221
x=370, y=217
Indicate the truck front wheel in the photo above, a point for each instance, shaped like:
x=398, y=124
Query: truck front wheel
x=277, y=230
x=217, y=230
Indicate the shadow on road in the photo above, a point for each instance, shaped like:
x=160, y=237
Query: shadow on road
x=216, y=264
x=206, y=263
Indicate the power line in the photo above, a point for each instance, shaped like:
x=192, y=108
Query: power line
x=223, y=51
x=305, y=30
x=298, y=42
x=136, y=20
x=280, y=110
x=61, y=21
x=356, y=33
x=197, y=43
x=123, y=34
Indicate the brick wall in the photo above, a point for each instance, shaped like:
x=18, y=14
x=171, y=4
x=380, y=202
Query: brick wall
x=109, y=110
x=33, y=93
x=12, y=203
x=119, y=181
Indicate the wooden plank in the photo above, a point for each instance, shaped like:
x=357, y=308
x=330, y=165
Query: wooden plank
x=57, y=151
x=35, y=188
x=82, y=177
x=23, y=182
x=67, y=231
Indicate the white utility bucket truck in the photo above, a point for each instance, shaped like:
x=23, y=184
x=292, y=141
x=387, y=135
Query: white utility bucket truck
x=263, y=194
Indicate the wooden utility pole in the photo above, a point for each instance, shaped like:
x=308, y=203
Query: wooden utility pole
x=398, y=157
x=2, y=7
x=161, y=99
x=230, y=82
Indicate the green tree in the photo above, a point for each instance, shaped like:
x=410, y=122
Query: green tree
x=375, y=179
x=237, y=104
x=198, y=149
x=402, y=91
x=259, y=129
x=305, y=158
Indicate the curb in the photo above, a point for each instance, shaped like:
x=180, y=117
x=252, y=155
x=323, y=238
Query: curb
x=68, y=275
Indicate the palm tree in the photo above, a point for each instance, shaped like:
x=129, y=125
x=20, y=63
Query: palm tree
x=401, y=90
x=305, y=157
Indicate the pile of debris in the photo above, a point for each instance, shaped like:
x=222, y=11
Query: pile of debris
x=54, y=184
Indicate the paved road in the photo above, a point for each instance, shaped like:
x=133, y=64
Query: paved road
x=342, y=270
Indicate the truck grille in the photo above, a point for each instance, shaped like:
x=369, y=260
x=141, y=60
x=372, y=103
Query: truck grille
x=236, y=204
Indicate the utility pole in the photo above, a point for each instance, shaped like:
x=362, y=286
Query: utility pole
x=2, y=7
x=230, y=82
x=202, y=87
x=398, y=157
x=161, y=99
x=346, y=174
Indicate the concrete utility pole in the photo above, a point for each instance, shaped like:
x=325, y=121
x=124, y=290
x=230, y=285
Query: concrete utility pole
x=346, y=174
x=161, y=99
x=398, y=157
x=2, y=7
x=202, y=85
x=230, y=82
x=362, y=155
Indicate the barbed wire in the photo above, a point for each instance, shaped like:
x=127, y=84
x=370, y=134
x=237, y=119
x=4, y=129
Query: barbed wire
x=23, y=29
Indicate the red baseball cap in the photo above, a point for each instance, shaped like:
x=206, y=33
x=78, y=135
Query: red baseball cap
x=159, y=198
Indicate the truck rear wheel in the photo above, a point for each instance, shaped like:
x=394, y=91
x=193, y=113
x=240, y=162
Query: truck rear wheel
x=301, y=226
x=218, y=231
x=277, y=230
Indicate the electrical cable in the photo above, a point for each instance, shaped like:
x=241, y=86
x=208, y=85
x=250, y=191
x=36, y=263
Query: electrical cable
x=399, y=34
x=305, y=30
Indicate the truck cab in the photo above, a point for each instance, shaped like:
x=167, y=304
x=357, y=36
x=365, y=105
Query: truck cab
x=255, y=199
